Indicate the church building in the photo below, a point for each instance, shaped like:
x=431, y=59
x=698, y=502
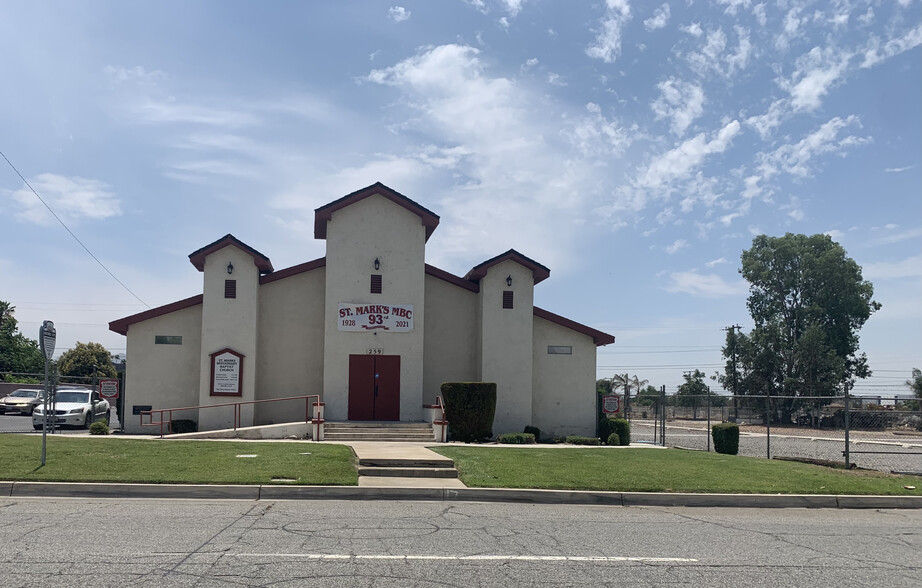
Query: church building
x=371, y=328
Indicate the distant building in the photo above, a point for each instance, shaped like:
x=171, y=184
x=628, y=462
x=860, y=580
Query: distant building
x=370, y=327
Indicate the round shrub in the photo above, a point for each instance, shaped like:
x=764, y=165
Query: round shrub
x=613, y=439
x=99, y=428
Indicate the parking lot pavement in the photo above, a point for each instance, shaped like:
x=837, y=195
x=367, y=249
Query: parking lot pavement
x=17, y=423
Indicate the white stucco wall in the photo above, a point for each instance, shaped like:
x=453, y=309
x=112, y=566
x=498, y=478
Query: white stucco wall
x=506, y=344
x=290, y=359
x=232, y=323
x=564, y=396
x=163, y=376
x=452, y=330
x=373, y=228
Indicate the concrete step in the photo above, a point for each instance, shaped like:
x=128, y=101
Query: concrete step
x=409, y=472
x=394, y=462
x=379, y=431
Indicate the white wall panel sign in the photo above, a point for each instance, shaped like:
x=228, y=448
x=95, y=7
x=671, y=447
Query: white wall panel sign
x=360, y=317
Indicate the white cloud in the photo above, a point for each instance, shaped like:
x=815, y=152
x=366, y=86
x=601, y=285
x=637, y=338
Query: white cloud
x=607, y=46
x=816, y=72
x=659, y=19
x=555, y=80
x=717, y=261
x=694, y=29
x=875, y=53
x=681, y=161
x=759, y=12
x=796, y=159
x=907, y=268
x=681, y=102
x=596, y=136
x=705, y=285
x=711, y=58
x=733, y=5
x=835, y=234
x=72, y=199
x=897, y=170
x=513, y=7
x=896, y=237
x=118, y=74
x=676, y=246
x=791, y=29
x=398, y=13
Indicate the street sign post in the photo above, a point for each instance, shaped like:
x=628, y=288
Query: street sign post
x=46, y=337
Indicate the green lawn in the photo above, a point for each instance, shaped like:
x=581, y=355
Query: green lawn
x=661, y=470
x=100, y=459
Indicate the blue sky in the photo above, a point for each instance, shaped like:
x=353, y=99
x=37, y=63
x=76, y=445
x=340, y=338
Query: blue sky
x=635, y=148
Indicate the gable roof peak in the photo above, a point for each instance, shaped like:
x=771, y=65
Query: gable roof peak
x=197, y=257
x=539, y=271
x=323, y=214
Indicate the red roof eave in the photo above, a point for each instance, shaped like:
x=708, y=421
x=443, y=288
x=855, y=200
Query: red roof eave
x=599, y=338
x=121, y=325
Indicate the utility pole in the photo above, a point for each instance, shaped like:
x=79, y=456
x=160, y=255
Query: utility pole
x=732, y=329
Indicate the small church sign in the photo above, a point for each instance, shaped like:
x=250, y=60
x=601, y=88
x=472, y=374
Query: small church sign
x=361, y=317
x=226, y=373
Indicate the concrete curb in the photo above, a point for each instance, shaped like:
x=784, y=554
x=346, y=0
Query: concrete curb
x=273, y=492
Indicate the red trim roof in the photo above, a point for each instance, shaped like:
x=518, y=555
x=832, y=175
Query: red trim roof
x=598, y=337
x=293, y=270
x=452, y=278
x=325, y=213
x=121, y=325
x=198, y=257
x=539, y=271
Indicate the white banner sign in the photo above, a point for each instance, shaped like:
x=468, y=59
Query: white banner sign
x=394, y=318
x=226, y=375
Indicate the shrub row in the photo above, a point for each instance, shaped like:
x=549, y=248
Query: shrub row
x=618, y=426
x=517, y=438
x=580, y=440
x=726, y=438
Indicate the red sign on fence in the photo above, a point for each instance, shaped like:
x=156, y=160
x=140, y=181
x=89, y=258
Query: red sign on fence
x=108, y=389
x=611, y=404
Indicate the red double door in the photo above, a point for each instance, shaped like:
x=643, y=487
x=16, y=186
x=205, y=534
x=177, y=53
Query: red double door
x=374, y=387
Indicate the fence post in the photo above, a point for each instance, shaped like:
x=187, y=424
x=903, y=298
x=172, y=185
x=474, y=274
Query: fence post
x=768, y=425
x=709, y=419
x=847, y=456
x=662, y=427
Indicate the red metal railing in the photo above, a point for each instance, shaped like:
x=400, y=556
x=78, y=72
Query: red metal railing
x=443, y=421
x=237, y=411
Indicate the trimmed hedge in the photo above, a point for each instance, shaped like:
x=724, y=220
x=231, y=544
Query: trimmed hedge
x=580, y=440
x=613, y=439
x=620, y=426
x=99, y=428
x=517, y=438
x=533, y=430
x=726, y=438
x=469, y=409
x=183, y=426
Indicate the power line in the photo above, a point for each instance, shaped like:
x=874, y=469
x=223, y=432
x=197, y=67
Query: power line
x=57, y=218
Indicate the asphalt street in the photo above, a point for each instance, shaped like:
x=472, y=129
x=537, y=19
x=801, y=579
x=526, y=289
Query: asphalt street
x=121, y=542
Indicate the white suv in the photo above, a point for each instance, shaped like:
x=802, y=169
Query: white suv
x=74, y=407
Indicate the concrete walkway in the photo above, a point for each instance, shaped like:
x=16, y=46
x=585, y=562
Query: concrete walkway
x=401, y=455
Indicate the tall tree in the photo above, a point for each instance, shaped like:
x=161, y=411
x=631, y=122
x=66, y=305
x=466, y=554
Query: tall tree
x=19, y=355
x=86, y=360
x=808, y=301
x=915, y=384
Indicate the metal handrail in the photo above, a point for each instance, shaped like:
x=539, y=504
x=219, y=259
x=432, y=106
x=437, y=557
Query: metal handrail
x=441, y=406
x=237, y=412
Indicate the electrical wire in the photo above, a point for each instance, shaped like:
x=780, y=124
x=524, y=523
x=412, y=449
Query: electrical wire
x=66, y=228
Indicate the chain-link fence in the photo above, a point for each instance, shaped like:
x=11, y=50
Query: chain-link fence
x=884, y=436
x=18, y=401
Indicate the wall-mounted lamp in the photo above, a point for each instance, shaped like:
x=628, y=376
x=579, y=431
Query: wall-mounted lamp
x=377, y=264
x=230, y=268
x=509, y=280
